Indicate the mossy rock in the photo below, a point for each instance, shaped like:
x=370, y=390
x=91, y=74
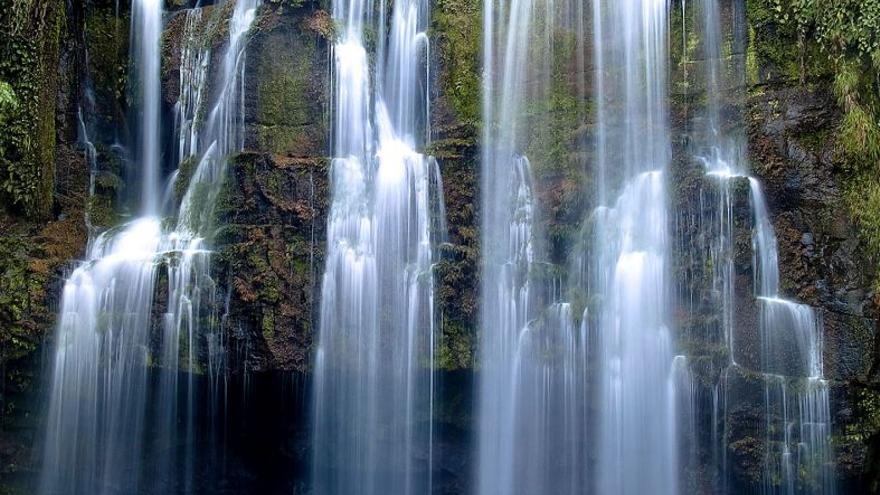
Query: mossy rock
x=286, y=85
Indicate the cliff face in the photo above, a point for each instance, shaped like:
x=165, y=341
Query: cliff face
x=272, y=213
x=43, y=193
x=824, y=262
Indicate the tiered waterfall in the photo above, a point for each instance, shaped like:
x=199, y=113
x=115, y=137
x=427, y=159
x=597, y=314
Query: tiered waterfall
x=374, y=382
x=116, y=394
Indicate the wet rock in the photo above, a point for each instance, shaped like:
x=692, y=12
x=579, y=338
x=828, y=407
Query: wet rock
x=270, y=240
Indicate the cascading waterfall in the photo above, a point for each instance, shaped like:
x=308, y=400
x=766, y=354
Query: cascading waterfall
x=107, y=413
x=532, y=396
x=639, y=380
x=636, y=334
x=374, y=384
x=797, y=425
x=797, y=411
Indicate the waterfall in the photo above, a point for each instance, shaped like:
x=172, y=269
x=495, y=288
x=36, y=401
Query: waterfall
x=638, y=417
x=374, y=382
x=146, y=32
x=797, y=419
x=532, y=388
x=798, y=445
x=116, y=399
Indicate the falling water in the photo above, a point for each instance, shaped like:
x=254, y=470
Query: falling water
x=106, y=412
x=532, y=395
x=195, y=57
x=797, y=412
x=374, y=384
x=637, y=417
x=146, y=35
x=798, y=456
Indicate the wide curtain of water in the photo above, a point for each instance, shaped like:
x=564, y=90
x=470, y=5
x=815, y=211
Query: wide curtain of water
x=637, y=399
x=577, y=397
x=530, y=391
x=120, y=414
x=373, y=377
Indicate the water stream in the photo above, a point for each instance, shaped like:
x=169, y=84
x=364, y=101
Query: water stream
x=797, y=419
x=374, y=382
x=116, y=394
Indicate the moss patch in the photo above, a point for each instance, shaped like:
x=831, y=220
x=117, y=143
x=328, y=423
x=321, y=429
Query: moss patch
x=457, y=27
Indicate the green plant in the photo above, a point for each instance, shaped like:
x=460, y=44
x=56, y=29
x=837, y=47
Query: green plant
x=847, y=33
x=30, y=32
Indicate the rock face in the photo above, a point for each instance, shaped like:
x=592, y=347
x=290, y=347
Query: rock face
x=822, y=261
x=272, y=214
x=270, y=257
x=273, y=211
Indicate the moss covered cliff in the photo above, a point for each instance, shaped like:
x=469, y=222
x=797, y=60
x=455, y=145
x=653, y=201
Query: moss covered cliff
x=811, y=114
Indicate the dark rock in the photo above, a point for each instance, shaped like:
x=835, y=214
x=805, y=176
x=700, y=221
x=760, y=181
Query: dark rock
x=271, y=243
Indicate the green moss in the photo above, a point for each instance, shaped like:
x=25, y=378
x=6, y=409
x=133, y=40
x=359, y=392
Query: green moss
x=30, y=33
x=101, y=212
x=281, y=91
x=184, y=175
x=289, y=81
x=283, y=139
x=293, y=4
x=107, y=43
x=455, y=348
x=16, y=288
x=456, y=24
x=773, y=44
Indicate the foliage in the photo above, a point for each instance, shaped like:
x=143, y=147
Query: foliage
x=16, y=286
x=294, y=4
x=8, y=106
x=107, y=44
x=456, y=26
x=29, y=40
x=847, y=32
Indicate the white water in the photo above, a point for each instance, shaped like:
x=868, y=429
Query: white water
x=532, y=387
x=106, y=413
x=797, y=422
x=374, y=384
x=798, y=418
x=638, y=401
x=146, y=33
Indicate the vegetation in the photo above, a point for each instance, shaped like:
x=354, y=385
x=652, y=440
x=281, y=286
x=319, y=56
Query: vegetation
x=29, y=39
x=456, y=24
x=846, y=35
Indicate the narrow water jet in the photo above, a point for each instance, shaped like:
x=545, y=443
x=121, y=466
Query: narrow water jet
x=146, y=35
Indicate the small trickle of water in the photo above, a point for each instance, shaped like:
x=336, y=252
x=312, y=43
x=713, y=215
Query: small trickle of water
x=797, y=423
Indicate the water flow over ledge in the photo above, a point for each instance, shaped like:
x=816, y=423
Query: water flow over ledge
x=797, y=419
x=115, y=393
x=374, y=380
